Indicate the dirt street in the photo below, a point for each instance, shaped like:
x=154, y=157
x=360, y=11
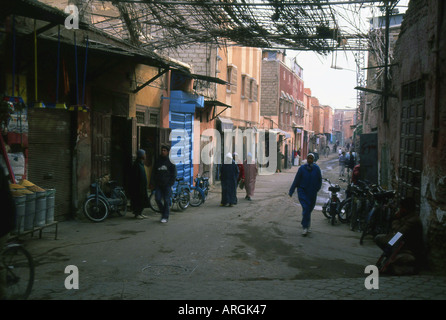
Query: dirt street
x=200, y=249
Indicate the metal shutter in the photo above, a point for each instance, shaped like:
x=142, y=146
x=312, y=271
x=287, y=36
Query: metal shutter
x=50, y=155
x=181, y=149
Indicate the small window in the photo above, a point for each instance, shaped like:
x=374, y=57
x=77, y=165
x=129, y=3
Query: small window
x=153, y=119
x=228, y=77
x=243, y=87
x=231, y=75
x=251, y=89
x=147, y=116
x=140, y=117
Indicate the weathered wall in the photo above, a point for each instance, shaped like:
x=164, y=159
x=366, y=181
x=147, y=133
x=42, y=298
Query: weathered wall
x=270, y=90
x=421, y=55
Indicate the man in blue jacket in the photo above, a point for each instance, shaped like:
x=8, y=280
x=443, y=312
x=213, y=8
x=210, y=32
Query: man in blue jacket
x=163, y=178
x=308, y=181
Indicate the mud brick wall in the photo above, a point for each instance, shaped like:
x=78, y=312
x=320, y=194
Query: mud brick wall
x=270, y=88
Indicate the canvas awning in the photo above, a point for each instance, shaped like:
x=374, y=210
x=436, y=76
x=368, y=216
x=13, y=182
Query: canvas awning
x=281, y=132
x=226, y=124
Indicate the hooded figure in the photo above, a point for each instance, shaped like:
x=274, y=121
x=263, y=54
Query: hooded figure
x=229, y=176
x=308, y=181
x=138, y=189
x=250, y=169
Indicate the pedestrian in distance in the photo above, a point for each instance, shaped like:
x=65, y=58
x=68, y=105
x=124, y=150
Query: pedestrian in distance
x=241, y=172
x=315, y=155
x=229, y=176
x=308, y=181
x=251, y=172
x=299, y=154
x=350, y=163
x=327, y=151
x=138, y=187
x=7, y=221
x=164, y=174
x=342, y=160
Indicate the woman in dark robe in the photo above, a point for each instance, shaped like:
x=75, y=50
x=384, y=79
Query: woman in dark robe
x=229, y=175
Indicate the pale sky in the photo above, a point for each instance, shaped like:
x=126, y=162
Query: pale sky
x=335, y=87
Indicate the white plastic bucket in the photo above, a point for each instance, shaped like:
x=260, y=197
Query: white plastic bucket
x=20, y=205
x=50, y=201
x=30, y=211
x=40, y=218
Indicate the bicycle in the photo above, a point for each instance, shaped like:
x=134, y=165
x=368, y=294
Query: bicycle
x=344, y=209
x=331, y=208
x=180, y=196
x=200, y=190
x=380, y=216
x=360, y=202
x=98, y=204
x=19, y=268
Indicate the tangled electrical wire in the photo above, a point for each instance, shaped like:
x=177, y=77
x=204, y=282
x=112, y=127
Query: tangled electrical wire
x=317, y=25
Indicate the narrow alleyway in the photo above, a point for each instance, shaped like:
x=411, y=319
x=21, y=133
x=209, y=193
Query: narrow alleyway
x=251, y=251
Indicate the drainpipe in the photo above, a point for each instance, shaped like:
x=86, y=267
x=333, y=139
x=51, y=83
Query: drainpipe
x=386, y=63
x=436, y=129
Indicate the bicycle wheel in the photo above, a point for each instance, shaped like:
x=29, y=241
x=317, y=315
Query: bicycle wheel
x=326, y=210
x=19, y=267
x=184, y=199
x=196, y=199
x=122, y=208
x=369, y=226
x=152, y=203
x=344, y=210
x=94, y=210
x=354, y=214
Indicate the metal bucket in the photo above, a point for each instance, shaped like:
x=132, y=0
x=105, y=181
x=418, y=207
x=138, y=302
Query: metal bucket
x=30, y=211
x=40, y=218
x=20, y=204
x=50, y=200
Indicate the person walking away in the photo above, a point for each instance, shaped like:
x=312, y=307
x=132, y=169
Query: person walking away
x=7, y=221
x=411, y=258
x=342, y=160
x=308, y=181
x=241, y=172
x=138, y=187
x=229, y=175
x=351, y=162
x=164, y=174
x=251, y=172
x=315, y=155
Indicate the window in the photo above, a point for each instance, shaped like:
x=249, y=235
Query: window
x=147, y=116
x=243, y=87
x=140, y=117
x=153, y=119
x=251, y=88
x=231, y=74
